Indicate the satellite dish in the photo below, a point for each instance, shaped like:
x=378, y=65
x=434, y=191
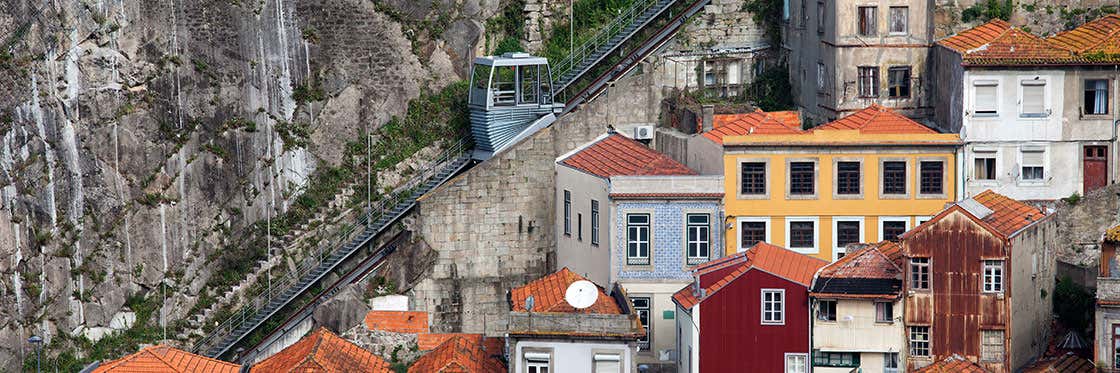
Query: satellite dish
x=581, y=294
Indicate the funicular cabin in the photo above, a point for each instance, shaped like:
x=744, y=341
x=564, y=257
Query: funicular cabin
x=510, y=98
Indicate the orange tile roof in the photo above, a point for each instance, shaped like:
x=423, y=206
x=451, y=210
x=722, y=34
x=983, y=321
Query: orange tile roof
x=548, y=295
x=460, y=354
x=322, y=351
x=760, y=122
x=616, y=155
x=1068, y=363
x=998, y=43
x=773, y=259
x=163, y=358
x=868, y=262
x=1099, y=36
x=877, y=119
x=398, y=321
x=1008, y=215
x=953, y=364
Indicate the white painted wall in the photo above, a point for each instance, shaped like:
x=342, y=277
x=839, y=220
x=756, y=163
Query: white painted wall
x=572, y=355
x=663, y=332
x=688, y=339
x=580, y=256
x=873, y=340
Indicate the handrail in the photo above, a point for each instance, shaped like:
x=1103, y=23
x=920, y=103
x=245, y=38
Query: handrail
x=588, y=48
x=263, y=295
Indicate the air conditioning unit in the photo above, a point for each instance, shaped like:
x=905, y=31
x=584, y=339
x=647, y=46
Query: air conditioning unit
x=643, y=133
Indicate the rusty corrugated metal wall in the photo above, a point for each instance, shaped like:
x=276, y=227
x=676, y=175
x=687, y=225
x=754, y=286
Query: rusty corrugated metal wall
x=957, y=310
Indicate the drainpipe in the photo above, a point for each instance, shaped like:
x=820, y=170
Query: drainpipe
x=962, y=173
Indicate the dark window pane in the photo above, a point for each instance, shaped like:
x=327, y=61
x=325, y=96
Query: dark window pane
x=894, y=177
x=892, y=229
x=801, y=234
x=752, y=232
x=753, y=178
x=847, y=232
x=899, y=82
x=847, y=177
x=932, y=182
x=801, y=175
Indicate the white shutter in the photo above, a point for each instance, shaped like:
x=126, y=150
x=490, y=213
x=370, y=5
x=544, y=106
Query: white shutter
x=984, y=100
x=1033, y=98
x=608, y=363
x=1032, y=158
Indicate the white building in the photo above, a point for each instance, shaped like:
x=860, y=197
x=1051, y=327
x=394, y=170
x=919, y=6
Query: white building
x=1036, y=115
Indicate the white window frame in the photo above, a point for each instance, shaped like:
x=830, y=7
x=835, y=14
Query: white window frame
x=887, y=361
x=538, y=359
x=804, y=360
x=743, y=246
x=1002, y=345
x=703, y=239
x=595, y=216
x=987, y=153
x=1035, y=81
x=997, y=277
x=567, y=212
x=885, y=304
x=646, y=341
x=928, y=340
x=929, y=274
x=884, y=219
x=919, y=220
x=781, y=303
x=984, y=82
x=836, y=248
x=816, y=234
x=648, y=242
x=1045, y=163
x=905, y=17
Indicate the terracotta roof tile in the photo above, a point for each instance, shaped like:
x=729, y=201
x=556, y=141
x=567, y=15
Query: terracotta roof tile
x=1008, y=215
x=877, y=119
x=322, y=351
x=460, y=354
x=760, y=122
x=1099, y=36
x=1068, y=363
x=863, y=272
x=548, y=295
x=776, y=260
x=953, y=364
x=998, y=43
x=163, y=358
x=398, y=321
x=867, y=262
x=616, y=154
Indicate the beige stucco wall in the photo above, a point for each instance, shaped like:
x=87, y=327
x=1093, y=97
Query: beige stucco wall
x=860, y=334
x=663, y=333
x=581, y=256
x=1032, y=274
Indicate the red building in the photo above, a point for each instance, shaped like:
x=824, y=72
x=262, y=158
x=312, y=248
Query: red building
x=747, y=312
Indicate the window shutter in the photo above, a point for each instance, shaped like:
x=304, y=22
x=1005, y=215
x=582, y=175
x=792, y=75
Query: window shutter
x=1032, y=158
x=1033, y=98
x=985, y=98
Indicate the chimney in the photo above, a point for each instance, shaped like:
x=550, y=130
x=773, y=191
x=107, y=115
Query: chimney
x=707, y=115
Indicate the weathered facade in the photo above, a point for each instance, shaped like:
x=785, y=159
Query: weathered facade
x=1107, y=319
x=1036, y=115
x=975, y=275
x=846, y=55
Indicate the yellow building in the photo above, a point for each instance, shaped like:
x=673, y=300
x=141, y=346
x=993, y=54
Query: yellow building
x=864, y=178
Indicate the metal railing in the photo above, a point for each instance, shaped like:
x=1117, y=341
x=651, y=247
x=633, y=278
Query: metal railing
x=592, y=50
x=267, y=300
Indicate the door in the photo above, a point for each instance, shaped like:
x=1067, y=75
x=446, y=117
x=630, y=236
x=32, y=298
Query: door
x=1095, y=167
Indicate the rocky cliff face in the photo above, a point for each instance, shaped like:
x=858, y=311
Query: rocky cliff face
x=139, y=139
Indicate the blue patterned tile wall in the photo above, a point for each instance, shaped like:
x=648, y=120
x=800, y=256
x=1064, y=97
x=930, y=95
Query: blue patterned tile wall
x=667, y=230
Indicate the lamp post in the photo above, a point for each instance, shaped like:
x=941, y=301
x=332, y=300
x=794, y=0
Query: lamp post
x=36, y=341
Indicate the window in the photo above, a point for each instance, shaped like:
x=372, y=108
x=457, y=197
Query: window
x=801, y=175
x=835, y=359
x=993, y=276
x=826, y=310
x=890, y=362
x=641, y=307
x=868, y=22
x=567, y=213
x=529, y=81
x=919, y=273
x=984, y=166
x=753, y=178
x=594, y=222
x=804, y=15
x=898, y=79
x=1033, y=101
x=797, y=363
x=869, y=81
x=847, y=232
x=1032, y=164
x=773, y=306
x=892, y=227
x=608, y=363
x=752, y=232
x=820, y=76
x=884, y=312
x=820, y=16
x=785, y=10
x=931, y=177
x=900, y=19
x=699, y=237
x=991, y=345
x=802, y=235
x=919, y=341
x=579, y=226
x=847, y=178
x=1116, y=345
x=984, y=97
x=637, y=239
x=894, y=177
x=1096, y=96
x=538, y=362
